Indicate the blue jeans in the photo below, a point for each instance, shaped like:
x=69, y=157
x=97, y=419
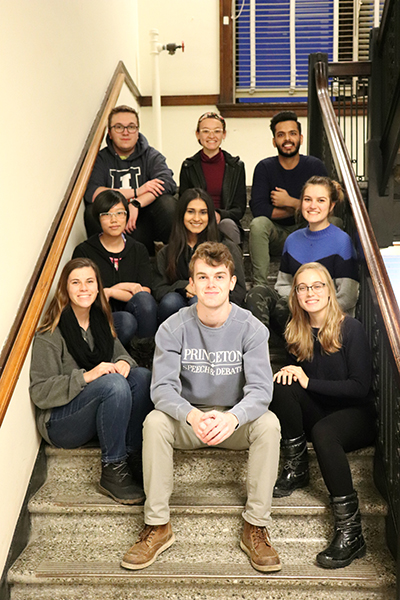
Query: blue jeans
x=112, y=407
x=171, y=303
x=139, y=317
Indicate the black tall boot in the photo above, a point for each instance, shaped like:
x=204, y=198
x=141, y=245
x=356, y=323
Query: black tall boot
x=348, y=542
x=295, y=473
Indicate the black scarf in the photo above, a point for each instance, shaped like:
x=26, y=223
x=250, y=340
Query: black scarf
x=78, y=348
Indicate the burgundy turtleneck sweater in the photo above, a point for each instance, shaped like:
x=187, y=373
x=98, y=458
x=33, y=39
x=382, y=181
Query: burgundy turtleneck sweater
x=213, y=169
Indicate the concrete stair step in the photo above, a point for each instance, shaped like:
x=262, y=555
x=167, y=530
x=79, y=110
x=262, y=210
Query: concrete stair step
x=214, y=466
x=79, y=537
x=176, y=575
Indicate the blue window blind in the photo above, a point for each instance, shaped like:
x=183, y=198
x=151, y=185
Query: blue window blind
x=268, y=57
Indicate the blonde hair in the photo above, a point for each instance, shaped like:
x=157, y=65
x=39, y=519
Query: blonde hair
x=298, y=333
x=61, y=299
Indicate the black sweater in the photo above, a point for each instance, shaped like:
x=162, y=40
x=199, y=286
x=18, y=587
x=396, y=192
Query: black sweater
x=134, y=264
x=343, y=378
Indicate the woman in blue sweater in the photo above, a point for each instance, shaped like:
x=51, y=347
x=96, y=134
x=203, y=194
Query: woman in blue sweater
x=321, y=242
x=325, y=397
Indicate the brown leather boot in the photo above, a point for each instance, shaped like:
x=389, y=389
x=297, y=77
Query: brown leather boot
x=257, y=545
x=152, y=540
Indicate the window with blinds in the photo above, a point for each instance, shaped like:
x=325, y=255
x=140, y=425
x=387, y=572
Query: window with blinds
x=273, y=39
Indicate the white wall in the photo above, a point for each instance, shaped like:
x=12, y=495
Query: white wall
x=58, y=57
x=195, y=71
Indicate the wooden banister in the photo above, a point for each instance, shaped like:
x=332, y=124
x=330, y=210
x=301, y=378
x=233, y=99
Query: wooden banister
x=379, y=277
x=25, y=324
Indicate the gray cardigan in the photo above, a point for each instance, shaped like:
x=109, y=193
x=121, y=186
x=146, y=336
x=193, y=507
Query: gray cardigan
x=55, y=377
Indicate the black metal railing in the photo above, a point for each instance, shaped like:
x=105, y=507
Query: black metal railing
x=349, y=95
x=377, y=306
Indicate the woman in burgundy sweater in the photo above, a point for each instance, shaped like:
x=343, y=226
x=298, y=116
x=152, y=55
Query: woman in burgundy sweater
x=219, y=173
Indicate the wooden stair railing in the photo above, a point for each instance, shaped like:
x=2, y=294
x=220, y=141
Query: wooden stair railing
x=22, y=331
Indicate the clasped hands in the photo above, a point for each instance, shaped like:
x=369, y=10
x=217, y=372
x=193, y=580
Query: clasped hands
x=212, y=427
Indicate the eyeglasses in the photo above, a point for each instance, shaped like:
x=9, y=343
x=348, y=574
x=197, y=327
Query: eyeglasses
x=119, y=128
x=316, y=287
x=214, y=131
x=120, y=214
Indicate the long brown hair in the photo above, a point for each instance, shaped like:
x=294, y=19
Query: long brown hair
x=298, y=332
x=61, y=299
x=178, y=239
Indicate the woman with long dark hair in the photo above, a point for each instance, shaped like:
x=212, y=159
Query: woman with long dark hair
x=84, y=383
x=193, y=224
x=325, y=397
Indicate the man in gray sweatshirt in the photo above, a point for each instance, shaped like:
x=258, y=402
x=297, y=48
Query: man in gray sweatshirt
x=211, y=386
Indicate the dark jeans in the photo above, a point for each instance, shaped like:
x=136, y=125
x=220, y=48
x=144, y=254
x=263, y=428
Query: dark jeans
x=333, y=432
x=111, y=407
x=171, y=303
x=154, y=222
x=139, y=318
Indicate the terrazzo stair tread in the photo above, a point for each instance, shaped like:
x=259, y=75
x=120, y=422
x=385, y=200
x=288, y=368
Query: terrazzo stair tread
x=311, y=500
x=62, y=561
x=99, y=532
x=82, y=464
x=185, y=590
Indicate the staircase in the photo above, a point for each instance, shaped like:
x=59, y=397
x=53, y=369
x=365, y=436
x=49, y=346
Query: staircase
x=79, y=536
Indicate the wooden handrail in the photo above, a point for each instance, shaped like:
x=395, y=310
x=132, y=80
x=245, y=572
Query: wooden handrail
x=25, y=324
x=379, y=277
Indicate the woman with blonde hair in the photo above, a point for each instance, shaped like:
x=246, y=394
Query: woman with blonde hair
x=84, y=384
x=325, y=397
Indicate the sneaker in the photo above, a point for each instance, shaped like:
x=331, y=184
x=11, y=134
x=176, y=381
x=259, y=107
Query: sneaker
x=153, y=540
x=257, y=545
x=116, y=481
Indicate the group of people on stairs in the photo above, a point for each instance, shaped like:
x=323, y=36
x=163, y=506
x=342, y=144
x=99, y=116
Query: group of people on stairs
x=211, y=382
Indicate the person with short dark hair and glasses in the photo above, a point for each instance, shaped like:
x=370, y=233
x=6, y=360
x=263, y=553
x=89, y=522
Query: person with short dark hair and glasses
x=129, y=164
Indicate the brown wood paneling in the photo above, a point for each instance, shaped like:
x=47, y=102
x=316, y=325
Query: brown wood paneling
x=252, y=110
x=226, y=76
x=185, y=100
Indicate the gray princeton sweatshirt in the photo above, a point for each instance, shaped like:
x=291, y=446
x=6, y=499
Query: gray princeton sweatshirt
x=227, y=366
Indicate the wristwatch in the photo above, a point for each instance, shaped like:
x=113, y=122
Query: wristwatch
x=135, y=203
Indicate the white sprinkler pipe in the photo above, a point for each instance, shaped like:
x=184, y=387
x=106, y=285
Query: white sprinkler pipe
x=156, y=48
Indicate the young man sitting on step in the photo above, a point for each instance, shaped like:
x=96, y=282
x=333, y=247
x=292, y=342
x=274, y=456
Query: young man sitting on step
x=212, y=385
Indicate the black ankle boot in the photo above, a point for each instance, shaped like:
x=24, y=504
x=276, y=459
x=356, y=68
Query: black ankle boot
x=116, y=481
x=348, y=542
x=295, y=473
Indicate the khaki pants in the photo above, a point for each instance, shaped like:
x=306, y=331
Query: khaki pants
x=162, y=433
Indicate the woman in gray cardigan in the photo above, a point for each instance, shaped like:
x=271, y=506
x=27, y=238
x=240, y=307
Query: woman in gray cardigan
x=84, y=384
